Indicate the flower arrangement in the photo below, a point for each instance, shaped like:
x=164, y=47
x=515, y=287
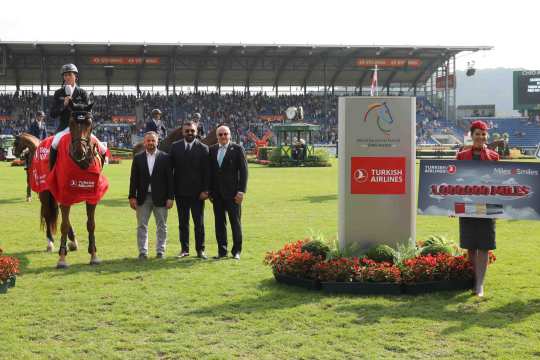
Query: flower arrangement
x=292, y=261
x=436, y=268
x=373, y=271
x=338, y=269
x=9, y=267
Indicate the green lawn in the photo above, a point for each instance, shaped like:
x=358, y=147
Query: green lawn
x=183, y=309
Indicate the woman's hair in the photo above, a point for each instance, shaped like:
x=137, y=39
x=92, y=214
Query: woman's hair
x=478, y=124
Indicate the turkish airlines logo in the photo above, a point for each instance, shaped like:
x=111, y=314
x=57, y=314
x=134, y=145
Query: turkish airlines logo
x=451, y=169
x=378, y=175
x=360, y=175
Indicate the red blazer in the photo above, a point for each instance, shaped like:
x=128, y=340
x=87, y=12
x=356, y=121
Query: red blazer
x=485, y=154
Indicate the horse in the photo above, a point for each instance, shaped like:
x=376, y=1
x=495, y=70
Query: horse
x=76, y=177
x=173, y=136
x=49, y=206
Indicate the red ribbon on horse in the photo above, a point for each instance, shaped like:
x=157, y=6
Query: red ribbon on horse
x=70, y=184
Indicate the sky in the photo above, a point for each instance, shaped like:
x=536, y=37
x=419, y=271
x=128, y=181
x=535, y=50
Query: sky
x=510, y=27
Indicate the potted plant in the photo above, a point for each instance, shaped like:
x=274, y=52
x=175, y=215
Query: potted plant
x=9, y=268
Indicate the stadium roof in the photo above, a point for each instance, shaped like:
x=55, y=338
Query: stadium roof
x=144, y=64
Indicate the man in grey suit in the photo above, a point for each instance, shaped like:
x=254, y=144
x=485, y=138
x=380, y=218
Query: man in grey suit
x=151, y=191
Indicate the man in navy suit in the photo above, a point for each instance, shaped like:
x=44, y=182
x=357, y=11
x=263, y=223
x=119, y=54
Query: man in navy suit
x=228, y=182
x=151, y=190
x=191, y=171
x=37, y=127
x=156, y=125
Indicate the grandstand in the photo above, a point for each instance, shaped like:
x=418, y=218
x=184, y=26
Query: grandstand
x=247, y=86
x=523, y=132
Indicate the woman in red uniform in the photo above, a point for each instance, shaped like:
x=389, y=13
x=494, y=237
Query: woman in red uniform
x=477, y=235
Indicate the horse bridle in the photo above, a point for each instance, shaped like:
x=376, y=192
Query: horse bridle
x=85, y=142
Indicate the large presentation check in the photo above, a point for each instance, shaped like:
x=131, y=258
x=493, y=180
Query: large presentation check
x=485, y=189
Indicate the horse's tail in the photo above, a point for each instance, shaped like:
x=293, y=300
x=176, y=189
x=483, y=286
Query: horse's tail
x=49, y=211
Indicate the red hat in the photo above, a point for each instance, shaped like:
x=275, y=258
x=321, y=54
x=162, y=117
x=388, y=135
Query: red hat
x=479, y=124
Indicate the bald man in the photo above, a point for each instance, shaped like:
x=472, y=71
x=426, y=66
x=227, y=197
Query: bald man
x=228, y=182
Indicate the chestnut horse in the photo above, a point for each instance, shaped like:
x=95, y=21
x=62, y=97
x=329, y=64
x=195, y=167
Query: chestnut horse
x=49, y=206
x=77, y=152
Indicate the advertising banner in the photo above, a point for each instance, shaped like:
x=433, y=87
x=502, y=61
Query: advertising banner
x=440, y=82
x=376, y=171
x=483, y=189
x=389, y=62
x=124, y=60
x=271, y=118
x=128, y=119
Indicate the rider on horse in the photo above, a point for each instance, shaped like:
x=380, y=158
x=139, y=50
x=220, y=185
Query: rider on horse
x=70, y=92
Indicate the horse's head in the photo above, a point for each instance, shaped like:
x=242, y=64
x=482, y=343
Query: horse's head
x=18, y=146
x=82, y=149
x=24, y=141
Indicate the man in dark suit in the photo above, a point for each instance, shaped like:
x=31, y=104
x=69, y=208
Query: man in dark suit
x=70, y=93
x=151, y=190
x=156, y=125
x=191, y=171
x=228, y=182
x=37, y=127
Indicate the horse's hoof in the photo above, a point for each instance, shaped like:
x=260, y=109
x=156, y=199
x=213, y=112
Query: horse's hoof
x=73, y=245
x=50, y=247
x=62, y=265
x=95, y=261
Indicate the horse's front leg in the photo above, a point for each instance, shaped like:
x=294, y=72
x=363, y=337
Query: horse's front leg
x=73, y=244
x=91, y=227
x=62, y=264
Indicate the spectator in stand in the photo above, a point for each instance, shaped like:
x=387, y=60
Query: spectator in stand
x=37, y=127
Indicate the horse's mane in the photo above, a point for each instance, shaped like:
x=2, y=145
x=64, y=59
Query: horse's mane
x=29, y=138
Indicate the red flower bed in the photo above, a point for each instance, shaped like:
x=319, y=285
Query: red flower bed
x=291, y=260
x=339, y=269
x=17, y=162
x=373, y=271
x=9, y=266
x=357, y=270
x=436, y=268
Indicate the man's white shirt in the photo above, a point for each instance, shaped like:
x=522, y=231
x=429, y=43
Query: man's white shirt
x=151, y=160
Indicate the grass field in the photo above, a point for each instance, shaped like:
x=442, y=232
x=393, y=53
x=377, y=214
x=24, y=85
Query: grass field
x=191, y=309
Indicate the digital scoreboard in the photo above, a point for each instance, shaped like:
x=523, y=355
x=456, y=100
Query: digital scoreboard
x=526, y=90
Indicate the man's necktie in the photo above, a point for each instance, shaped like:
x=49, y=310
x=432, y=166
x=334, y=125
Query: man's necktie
x=221, y=155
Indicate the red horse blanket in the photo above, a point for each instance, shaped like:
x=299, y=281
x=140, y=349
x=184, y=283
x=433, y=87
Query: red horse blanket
x=39, y=169
x=70, y=184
